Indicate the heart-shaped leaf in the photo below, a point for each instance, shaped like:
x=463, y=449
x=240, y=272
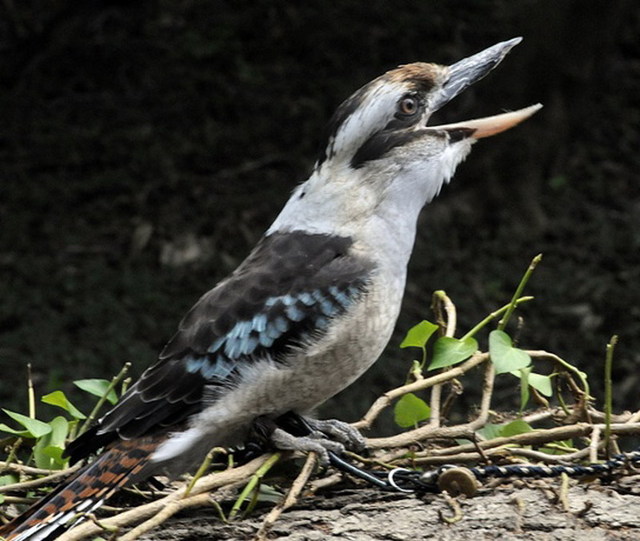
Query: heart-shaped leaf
x=541, y=383
x=418, y=335
x=504, y=356
x=515, y=427
x=410, y=410
x=449, y=351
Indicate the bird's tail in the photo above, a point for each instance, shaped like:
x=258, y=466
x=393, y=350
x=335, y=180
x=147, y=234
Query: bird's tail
x=122, y=464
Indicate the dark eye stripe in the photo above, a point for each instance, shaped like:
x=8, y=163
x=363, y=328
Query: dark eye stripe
x=380, y=143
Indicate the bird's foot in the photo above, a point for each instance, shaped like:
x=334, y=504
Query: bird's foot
x=298, y=433
x=339, y=431
x=284, y=441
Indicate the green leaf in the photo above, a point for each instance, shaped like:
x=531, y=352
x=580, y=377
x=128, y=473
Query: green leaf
x=523, y=374
x=19, y=433
x=515, y=427
x=504, y=356
x=418, y=335
x=97, y=387
x=410, y=410
x=268, y=494
x=9, y=479
x=58, y=398
x=449, y=351
x=33, y=427
x=490, y=431
x=48, y=450
x=559, y=447
x=541, y=383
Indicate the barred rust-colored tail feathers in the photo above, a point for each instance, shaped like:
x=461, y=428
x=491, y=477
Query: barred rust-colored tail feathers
x=122, y=464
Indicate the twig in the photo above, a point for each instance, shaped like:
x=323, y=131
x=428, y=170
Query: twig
x=114, y=381
x=427, y=432
x=34, y=483
x=594, y=444
x=254, y=483
x=523, y=282
x=291, y=498
x=608, y=400
x=440, y=299
x=387, y=399
x=27, y=470
x=538, y=437
x=165, y=513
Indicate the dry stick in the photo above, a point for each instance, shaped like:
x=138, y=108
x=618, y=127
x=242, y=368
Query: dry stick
x=164, y=514
x=594, y=444
x=428, y=432
x=436, y=391
x=387, y=399
x=29, y=470
x=292, y=497
x=325, y=482
x=205, y=484
x=502, y=452
x=34, y=483
x=539, y=437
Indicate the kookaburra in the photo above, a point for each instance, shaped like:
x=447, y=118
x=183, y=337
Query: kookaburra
x=307, y=312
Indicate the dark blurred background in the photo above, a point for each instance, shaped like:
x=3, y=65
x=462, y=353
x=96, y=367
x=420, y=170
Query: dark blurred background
x=145, y=146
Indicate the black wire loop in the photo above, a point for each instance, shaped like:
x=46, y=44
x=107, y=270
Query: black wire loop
x=407, y=480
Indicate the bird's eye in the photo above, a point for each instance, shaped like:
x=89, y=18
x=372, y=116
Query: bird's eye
x=408, y=105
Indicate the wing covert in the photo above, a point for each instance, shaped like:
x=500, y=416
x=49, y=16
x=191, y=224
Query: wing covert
x=286, y=291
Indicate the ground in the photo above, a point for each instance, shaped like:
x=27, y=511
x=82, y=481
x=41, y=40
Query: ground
x=595, y=514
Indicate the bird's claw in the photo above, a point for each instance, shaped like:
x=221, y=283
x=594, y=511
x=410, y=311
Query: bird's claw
x=321, y=446
x=339, y=431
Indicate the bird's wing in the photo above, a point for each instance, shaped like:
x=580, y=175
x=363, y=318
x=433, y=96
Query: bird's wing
x=285, y=292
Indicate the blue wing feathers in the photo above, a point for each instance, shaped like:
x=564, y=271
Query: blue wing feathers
x=288, y=290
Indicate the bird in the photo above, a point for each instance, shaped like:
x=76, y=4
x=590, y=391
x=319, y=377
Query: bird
x=308, y=311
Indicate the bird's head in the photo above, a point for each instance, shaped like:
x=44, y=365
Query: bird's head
x=381, y=155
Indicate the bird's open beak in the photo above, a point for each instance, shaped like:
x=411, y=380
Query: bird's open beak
x=490, y=125
x=466, y=72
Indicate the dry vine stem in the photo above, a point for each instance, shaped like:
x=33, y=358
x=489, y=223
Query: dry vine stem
x=150, y=515
x=429, y=432
x=387, y=399
x=440, y=298
x=292, y=497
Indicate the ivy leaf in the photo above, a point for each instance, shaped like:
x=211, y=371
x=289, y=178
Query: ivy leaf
x=418, y=335
x=58, y=398
x=33, y=427
x=47, y=452
x=489, y=431
x=541, y=383
x=504, y=356
x=97, y=387
x=9, y=479
x=449, y=351
x=515, y=427
x=410, y=410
